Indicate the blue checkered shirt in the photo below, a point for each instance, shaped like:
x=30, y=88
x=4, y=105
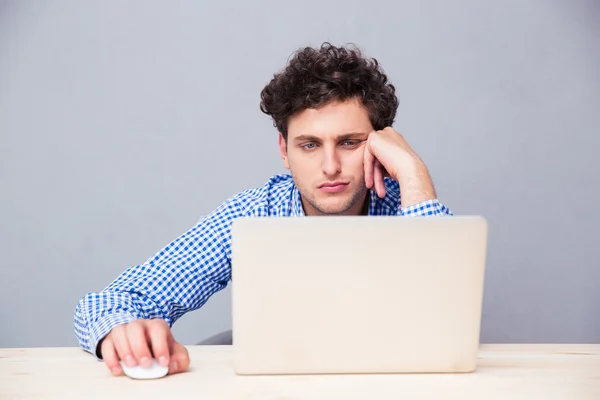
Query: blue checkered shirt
x=182, y=276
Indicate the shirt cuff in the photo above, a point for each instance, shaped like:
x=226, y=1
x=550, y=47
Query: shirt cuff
x=425, y=208
x=103, y=326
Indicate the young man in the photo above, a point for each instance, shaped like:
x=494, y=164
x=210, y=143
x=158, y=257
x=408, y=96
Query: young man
x=333, y=109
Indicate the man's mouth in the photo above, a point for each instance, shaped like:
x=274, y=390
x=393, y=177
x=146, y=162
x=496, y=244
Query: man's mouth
x=333, y=187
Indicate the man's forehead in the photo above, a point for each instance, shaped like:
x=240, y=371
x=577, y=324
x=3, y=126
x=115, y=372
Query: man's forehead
x=330, y=121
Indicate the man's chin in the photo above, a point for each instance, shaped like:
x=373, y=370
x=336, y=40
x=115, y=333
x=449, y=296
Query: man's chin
x=332, y=208
x=334, y=204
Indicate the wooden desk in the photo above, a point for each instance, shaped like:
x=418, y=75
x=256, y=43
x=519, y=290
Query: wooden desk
x=532, y=372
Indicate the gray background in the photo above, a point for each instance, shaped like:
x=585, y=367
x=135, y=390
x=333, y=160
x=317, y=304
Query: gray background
x=123, y=122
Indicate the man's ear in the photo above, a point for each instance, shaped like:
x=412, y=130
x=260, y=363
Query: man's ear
x=283, y=151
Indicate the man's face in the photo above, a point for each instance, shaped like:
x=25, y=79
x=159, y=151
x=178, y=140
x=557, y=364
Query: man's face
x=324, y=153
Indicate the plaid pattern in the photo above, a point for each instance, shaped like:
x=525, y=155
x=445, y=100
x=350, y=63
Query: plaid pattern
x=183, y=275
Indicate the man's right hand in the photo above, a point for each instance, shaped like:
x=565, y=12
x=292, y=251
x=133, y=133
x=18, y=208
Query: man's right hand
x=137, y=342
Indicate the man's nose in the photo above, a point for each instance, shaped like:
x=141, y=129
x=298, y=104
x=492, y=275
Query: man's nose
x=331, y=162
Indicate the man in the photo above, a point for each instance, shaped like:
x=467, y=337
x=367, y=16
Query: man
x=333, y=109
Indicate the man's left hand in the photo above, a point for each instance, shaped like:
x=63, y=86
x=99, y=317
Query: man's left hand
x=388, y=154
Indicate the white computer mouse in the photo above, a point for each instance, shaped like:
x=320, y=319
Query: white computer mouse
x=154, y=371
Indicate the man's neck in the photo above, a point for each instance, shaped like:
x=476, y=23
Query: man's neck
x=365, y=207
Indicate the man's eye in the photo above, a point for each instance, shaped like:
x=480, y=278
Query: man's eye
x=351, y=142
x=308, y=146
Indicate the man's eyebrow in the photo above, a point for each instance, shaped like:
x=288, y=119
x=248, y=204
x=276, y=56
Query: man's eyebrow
x=309, y=138
x=345, y=136
x=352, y=135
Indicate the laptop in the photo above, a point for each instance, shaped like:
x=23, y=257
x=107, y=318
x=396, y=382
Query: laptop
x=357, y=294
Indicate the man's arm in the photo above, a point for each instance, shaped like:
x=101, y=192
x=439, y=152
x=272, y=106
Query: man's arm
x=425, y=208
x=179, y=278
x=417, y=194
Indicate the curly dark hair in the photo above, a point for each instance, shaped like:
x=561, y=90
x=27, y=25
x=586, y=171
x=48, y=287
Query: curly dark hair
x=315, y=77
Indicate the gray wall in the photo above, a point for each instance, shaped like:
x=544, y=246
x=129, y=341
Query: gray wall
x=122, y=123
